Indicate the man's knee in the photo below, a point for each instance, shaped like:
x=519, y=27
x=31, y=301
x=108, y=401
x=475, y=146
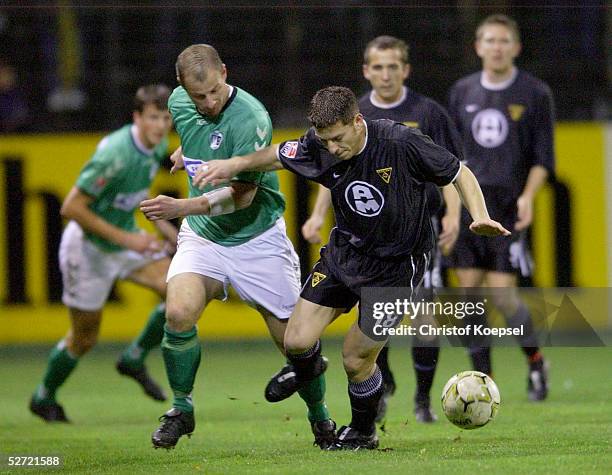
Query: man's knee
x=180, y=316
x=297, y=342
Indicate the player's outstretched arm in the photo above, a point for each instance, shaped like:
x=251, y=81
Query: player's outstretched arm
x=471, y=196
x=225, y=200
x=312, y=226
x=215, y=172
x=76, y=207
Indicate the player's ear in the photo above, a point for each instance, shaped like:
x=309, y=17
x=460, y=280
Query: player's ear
x=223, y=72
x=136, y=117
x=517, y=49
x=366, y=71
x=407, y=70
x=477, y=48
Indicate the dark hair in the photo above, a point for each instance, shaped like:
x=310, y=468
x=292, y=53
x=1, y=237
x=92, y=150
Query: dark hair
x=156, y=94
x=387, y=42
x=195, y=61
x=499, y=19
x=332, y=104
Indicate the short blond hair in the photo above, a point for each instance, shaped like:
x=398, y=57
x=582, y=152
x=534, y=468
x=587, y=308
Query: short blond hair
x=499, y=19
x=387, y=42
x=196, y=60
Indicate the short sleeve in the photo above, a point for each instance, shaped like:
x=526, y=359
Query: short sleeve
x=100, y=171
x=444, y=132
x=302, y=156
x=429, y=162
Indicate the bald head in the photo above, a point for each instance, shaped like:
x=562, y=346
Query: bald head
x=196, y=61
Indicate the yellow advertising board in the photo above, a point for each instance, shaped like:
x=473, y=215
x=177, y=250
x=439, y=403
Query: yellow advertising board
x=37, y=171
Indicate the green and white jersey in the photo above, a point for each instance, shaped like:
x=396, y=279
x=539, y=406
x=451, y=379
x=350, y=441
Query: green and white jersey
x=242, y=127
x=118, y=177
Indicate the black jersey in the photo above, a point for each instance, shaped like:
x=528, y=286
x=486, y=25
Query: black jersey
x=378, y=196
x=418, y=111
x=505, y=132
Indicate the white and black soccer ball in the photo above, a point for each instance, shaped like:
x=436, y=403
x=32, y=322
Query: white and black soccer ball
x=470, y=399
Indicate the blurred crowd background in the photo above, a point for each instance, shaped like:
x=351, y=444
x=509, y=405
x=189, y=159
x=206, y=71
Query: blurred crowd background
x=65, y=67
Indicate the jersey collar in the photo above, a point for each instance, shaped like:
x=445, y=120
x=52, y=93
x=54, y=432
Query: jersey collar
x=138, y=144
x=384, y=105
x=498, y=86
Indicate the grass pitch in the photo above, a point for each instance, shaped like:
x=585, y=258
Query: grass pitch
x=237, y=431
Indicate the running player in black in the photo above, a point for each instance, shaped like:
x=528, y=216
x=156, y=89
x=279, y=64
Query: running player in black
x=386, y=66
x=376, y=171
x=505, y=117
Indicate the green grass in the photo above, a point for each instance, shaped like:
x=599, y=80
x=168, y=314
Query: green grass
x=238, y=432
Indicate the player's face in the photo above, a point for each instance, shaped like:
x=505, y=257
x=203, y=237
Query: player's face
x=344, y=140
x=386, y=72
x=209, y=95
x=153, y=124
x=497, y=47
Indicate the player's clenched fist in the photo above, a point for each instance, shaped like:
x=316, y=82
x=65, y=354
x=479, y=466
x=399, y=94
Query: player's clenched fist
x=162, y=207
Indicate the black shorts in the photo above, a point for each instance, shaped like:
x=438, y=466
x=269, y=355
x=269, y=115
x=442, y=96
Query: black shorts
x=337, y=278
x=502, y=253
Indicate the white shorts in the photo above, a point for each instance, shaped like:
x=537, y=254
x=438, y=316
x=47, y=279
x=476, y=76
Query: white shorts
x=88, y=272
x=264, y=271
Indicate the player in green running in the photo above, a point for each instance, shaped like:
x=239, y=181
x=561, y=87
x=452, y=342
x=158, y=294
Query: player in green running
x=101, y=243
x=232, y=235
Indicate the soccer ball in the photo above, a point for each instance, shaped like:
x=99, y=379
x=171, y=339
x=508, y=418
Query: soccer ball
x=470, y=399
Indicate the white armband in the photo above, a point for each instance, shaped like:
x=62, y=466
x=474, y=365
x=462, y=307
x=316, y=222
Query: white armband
x=220, y=201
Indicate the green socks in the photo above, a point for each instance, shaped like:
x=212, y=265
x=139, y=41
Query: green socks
x=60, y=364
x=150, y=337
x=181, y=352
x=313, y=395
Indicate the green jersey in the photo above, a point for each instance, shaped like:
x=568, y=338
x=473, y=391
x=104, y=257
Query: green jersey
x=242, y=127
x=118, y=177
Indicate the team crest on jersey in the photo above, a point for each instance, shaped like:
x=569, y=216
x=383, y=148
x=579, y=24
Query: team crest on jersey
x=490, y=128
x=385, y=174
x=317, y=277
x=215, y=139
x=364, y=199
x=289, y=150
x=516, y=111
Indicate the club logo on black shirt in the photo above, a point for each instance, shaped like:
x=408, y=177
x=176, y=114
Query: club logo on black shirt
x=316, y=278
x=385, y=174
x=490, y=128
x=364, y=199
